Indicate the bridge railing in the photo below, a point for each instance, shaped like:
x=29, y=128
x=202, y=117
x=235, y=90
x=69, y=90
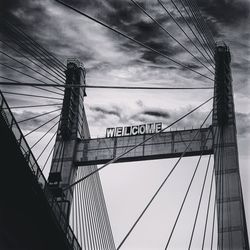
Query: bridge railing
x=32, y=163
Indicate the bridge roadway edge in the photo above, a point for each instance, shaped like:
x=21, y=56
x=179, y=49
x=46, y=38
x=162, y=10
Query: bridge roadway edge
x=26, y=220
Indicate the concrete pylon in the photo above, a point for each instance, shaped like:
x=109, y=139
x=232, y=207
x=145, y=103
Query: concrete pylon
x=71, y=128
x=92, y=229
x=232, y=229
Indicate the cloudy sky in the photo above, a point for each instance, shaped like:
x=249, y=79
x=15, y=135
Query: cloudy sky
x=110, y=59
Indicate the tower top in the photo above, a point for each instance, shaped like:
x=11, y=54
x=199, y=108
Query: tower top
x=77, y=62
x=222, y=47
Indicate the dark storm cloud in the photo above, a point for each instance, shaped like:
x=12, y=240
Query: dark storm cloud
x=28, y=17
x=129, y=19
x=115, y=13
x=150, y=115
x=32, y=10
x=105, y=111
x=158, y=45
x=122, y=15
x=167, y=117
x=228, y=12
x=10, y=4
x=126, y=17
x=144, y=115
x=157, y=113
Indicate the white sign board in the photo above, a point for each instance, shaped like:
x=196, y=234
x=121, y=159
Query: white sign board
x=149, y=128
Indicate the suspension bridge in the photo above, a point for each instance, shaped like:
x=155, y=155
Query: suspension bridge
x=67, y=209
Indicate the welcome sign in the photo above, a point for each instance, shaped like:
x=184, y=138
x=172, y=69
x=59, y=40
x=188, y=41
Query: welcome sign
x=149, y=128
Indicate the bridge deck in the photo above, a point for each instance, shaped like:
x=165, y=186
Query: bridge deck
x=28, y=220
x=164, y=145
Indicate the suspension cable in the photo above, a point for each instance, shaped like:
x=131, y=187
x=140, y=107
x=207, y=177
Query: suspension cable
x=93, y=233
x=133, y=40
x=162, y=184
x=208, y=205
x=199, y=25
x=186, y=194
x=99, y=86
x=30, y=60
x=42, y=125
x=177, y=23
x=36, y=55
x=22, y=94
x=191, y=29
x=200, y=20
x=16, y=70
x=199, y=204
x=194, y=24
x=56, y=62
x=102, y=213
x=84, y=208
x=34, y=106
x=208, y=209
x=43, y=114
x=48, y=158
x=221, y=191
x=216, y=193
x=46, y=146
x=16, y=83
x=77, y=197
x=34, y=70
x=44, y=135
x=205, y=24
x=19, y=32
x=25, y=65
x=183, y=202
x=159, y=25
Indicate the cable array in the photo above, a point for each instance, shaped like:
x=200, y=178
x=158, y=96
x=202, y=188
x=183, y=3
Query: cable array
x=134, y=40
x=196, y=23
x=184, y=200
x=33, y=48
x=209, y=53
x=47, y=66
x=30, y=76
x=38, y=96
x=199, y=204
x=161, y=186
x=12, y=83
x=208, y=60
x=89, y=216
x=169, y=34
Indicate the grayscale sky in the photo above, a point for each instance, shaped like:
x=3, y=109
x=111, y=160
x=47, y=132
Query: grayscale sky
x=113, y=60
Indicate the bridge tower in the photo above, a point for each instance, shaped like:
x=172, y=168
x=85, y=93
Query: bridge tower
x=70, y=128
x=74, y=148
x=73, y=127
x=232, y=229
